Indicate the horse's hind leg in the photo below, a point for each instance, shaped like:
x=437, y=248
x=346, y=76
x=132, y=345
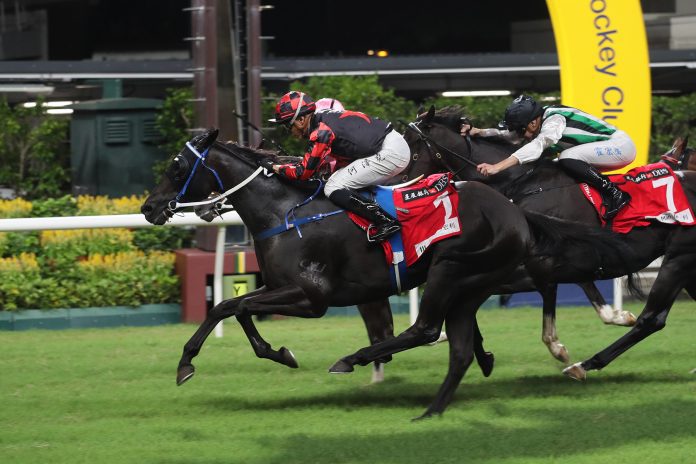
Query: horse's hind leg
x=261, y=347
x=691, y=289
x=460, y=330
x=440, y=295
x=379, y=323
x=548, y=330
x=606, y=312
x=485, y=359
x=674, y=274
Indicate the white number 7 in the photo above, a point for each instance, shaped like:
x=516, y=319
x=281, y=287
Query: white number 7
x=669, y=182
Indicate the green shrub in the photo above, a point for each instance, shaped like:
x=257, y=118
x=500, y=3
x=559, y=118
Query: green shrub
x=672, y=117
x=54, y=207
x=34, y=151
x=19, y=277
x=127, y=278
x=174, y=121
x=16, y=243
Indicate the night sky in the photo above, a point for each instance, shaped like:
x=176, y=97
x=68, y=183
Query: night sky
x=80, y=28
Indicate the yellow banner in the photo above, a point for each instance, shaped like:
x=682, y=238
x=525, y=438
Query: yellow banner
x=605, y=67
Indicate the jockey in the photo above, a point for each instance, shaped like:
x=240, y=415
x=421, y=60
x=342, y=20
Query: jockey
x=585, y=143
x=368, y=151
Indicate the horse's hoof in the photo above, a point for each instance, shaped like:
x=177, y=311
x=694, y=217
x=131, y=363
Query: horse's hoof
x=562, y=354
x=377, y=373
x=629, y=319
x=341, y=367
x=486, y=363
x=576, y=371
x=184, y=373
x=623, y=319
x=287, y=358
x=426, y=415
x=440, y=339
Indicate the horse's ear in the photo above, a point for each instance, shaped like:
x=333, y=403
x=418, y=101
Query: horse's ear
x=420, y=110
x=429, y=115
x=206, y=139
x=680, y=145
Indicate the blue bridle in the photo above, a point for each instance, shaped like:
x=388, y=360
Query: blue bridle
x=200, y=160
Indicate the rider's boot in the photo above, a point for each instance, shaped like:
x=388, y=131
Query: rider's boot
x=355, y=203
x=613, y=198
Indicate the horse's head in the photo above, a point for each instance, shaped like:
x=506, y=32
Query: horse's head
x=679, y=156
x=437, y=145
x=186, y=178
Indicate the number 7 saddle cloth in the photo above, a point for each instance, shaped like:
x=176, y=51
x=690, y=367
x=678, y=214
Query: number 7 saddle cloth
x=656, y=195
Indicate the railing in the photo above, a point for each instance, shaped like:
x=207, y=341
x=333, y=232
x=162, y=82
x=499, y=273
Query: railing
x=134, y=221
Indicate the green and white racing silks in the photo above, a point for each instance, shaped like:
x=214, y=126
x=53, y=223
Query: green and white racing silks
x=563, y=127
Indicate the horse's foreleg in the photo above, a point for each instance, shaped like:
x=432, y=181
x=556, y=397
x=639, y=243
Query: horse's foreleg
x=192, y=347
x=290, y=300
x=379, y=323
x=548, y=329
x=606, y=312
x=673, y=276
x=460, y=328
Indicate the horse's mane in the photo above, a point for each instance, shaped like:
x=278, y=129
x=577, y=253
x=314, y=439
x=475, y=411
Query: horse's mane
x=451, y=117
x=254, y=155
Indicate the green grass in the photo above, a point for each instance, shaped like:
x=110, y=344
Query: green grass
x=104, y=396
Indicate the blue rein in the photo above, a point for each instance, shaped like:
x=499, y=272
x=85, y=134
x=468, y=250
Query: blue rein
x=296, y=223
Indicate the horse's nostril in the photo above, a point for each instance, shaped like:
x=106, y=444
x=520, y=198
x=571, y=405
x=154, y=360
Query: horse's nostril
x=146, y=209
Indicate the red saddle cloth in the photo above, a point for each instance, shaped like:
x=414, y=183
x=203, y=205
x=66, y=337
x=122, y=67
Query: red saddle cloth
x=656, y=195
x=427, y=211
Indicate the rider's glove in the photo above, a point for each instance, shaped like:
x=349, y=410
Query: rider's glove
x=267, y=164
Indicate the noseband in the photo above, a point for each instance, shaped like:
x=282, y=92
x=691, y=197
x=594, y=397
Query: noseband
x=434, y=149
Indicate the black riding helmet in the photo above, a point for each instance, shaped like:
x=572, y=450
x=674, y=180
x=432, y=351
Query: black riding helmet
x=523, y=110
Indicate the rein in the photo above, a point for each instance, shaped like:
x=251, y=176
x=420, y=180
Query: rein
x=429, y=143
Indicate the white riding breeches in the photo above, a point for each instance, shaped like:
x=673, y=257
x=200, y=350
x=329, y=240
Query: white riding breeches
x=389, y=161
x=615, y=153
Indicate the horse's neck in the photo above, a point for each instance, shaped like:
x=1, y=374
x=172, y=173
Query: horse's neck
x=689, y=160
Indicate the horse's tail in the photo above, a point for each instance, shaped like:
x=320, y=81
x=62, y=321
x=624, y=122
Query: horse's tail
x=581, y=247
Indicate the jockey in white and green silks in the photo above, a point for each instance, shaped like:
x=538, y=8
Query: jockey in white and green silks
x=583, y=141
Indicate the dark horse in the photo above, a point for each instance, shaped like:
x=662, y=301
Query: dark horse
x=428, y=157
x=544, y=188
x=334, y=265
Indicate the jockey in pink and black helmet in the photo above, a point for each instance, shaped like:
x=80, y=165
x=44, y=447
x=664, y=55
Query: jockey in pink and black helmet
x=368, y=152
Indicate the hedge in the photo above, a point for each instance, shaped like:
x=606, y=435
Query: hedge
x=86, y=267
